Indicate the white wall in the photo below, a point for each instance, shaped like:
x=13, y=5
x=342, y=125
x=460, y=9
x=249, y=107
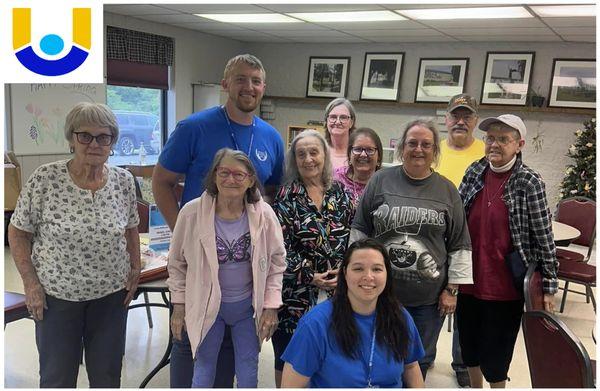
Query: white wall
x=287, y=72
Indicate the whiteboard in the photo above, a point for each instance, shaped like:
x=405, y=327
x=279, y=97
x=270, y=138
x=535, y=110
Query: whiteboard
x=38, y=113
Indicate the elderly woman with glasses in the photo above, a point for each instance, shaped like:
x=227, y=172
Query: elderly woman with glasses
x=365, y=155
x=75, y=243
x=509, y=221
x=340, y=119
x=226, y=262
x=315, y=214
x=418, y=215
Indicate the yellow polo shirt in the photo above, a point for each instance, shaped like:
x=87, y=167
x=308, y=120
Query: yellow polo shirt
x=453, y=164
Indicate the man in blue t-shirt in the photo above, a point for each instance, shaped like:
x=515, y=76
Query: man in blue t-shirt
x=189, y=152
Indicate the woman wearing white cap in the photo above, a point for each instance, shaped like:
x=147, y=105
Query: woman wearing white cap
x=509, y=223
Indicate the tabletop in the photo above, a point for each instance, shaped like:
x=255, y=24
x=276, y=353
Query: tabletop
x=564, y=234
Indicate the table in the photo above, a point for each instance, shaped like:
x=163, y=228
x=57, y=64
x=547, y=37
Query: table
x=14, y=307
x=564, y=234
x=158, y=286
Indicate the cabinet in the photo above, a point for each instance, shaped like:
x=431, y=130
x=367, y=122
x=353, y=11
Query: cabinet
x=294, y=130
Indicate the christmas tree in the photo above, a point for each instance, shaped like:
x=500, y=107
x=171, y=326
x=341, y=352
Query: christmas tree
x=580, y=177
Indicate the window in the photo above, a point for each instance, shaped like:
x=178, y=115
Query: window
x=140, y=117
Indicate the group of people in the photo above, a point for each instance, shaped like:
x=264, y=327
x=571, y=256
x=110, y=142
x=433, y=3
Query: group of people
x=347, y=267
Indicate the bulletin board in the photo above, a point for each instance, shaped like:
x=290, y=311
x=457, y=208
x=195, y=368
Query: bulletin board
x=38, y=113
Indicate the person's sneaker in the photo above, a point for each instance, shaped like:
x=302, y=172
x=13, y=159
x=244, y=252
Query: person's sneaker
x=463, y=379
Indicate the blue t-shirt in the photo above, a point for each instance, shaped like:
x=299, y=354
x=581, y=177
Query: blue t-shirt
x=314, y=352
x=193, y=144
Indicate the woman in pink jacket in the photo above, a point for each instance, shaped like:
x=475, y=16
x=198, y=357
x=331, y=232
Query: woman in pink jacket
x=226, y=264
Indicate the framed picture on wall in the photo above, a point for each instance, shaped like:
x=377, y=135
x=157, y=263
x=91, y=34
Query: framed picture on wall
x=327, y=77
x=507, y=78
x=573, y=83
x=440, y=79
x=381, y=76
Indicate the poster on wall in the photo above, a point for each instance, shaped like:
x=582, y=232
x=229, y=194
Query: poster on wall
x=327, y=77
x=381, y=76
x=440, y=79
x=573, y=84
x=507, y=78
x=38, y=113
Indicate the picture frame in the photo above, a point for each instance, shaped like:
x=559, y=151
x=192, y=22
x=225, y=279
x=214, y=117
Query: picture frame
x=440, y=79
x=507, y=78
x=573, y=83
x=382, y=73
x=327, y=77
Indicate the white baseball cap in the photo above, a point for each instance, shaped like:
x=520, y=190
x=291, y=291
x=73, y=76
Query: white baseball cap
x=508, y=119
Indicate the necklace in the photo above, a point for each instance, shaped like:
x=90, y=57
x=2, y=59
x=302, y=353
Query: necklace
x=233, y=135
x=417, y=179
x=498, y=191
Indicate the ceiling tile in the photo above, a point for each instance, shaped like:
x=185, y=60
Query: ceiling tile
x=212, y=29
x=215, y=8
x=347, y=39
x=281, y=26
x=397, y=33
x=137, y=9
x=510, y=38
x=396, y=24
x=498, y=31
x=169, y=19
x=571, y=22
x=289, y=8
x=309, y=33
x=441, y=38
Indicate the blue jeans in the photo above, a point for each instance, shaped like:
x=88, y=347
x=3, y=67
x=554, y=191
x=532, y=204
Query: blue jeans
x=429, y=323
x=240, y=317
x=182, y=367
x=457, y=361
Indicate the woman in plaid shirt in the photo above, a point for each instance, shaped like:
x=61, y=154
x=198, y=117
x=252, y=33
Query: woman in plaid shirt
x=509, y=220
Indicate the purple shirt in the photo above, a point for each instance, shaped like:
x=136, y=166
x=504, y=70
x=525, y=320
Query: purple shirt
x=354, y=189
x=234, y=256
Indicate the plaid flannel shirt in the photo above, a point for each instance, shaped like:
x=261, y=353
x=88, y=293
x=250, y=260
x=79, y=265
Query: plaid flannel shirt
x=529, y=217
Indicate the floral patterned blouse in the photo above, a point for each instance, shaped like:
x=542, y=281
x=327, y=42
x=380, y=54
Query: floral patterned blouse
x=315, y=242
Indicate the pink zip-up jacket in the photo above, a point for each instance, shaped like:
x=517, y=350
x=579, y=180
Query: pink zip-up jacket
x=194, y=268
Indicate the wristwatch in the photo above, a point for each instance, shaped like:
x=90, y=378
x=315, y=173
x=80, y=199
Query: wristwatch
x=452, y=291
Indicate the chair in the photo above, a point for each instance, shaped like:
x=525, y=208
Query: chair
x=557, y=358
x=578, y=212
x=143, y=211
x=533, y=289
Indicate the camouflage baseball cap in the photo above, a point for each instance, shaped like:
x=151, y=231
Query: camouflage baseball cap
x=462, y=100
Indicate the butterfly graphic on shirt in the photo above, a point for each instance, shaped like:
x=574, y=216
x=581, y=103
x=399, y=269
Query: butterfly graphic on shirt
x=235, y=250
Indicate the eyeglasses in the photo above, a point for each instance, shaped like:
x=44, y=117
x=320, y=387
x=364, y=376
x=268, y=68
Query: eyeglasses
x=238, y=176
x=101, y=139
x=360, y=150
x=425, y=145
x=457, y=117
x=502, y=140
x=343, y=118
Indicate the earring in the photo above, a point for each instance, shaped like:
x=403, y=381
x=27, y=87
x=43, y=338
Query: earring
x=71, y=150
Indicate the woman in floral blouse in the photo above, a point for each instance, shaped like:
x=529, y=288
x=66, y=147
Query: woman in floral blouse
x=315, y=214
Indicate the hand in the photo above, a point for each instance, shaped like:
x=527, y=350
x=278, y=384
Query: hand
x=320, y=280
x=178, y=321
x=267, y=324
x=131, y=285
x=35, y=299
x=446, y=303
x=549, y=302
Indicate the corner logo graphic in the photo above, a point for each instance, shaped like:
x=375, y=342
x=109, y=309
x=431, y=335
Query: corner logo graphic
x=52, y=44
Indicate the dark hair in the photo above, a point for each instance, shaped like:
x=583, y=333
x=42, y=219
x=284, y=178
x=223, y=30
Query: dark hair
x=427, y=124
x=332, y=105
x=210, y=184
x=370, y=133
x=392, y=329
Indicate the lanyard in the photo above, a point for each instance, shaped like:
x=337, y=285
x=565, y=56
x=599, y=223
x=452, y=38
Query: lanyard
x=369, y=385
x=233, y=136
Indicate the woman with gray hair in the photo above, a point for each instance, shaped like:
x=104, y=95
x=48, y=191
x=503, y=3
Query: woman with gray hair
x=418, y=215
x=315, y=214
x=75, y=243
x=340, y=118
x=226, y=262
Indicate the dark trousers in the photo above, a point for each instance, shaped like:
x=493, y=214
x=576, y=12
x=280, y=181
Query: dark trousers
x=99, y=324
x=182, y=366
x=457, y=361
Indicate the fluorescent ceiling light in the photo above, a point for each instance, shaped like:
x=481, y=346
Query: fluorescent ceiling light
x=250, y=18
x=467, y=13
x=553, y=11
x=343, y=17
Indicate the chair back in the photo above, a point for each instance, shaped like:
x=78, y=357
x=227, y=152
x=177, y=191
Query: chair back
x=533, y=289
x=144, y=213
x=579, y=212
x=557, y=359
